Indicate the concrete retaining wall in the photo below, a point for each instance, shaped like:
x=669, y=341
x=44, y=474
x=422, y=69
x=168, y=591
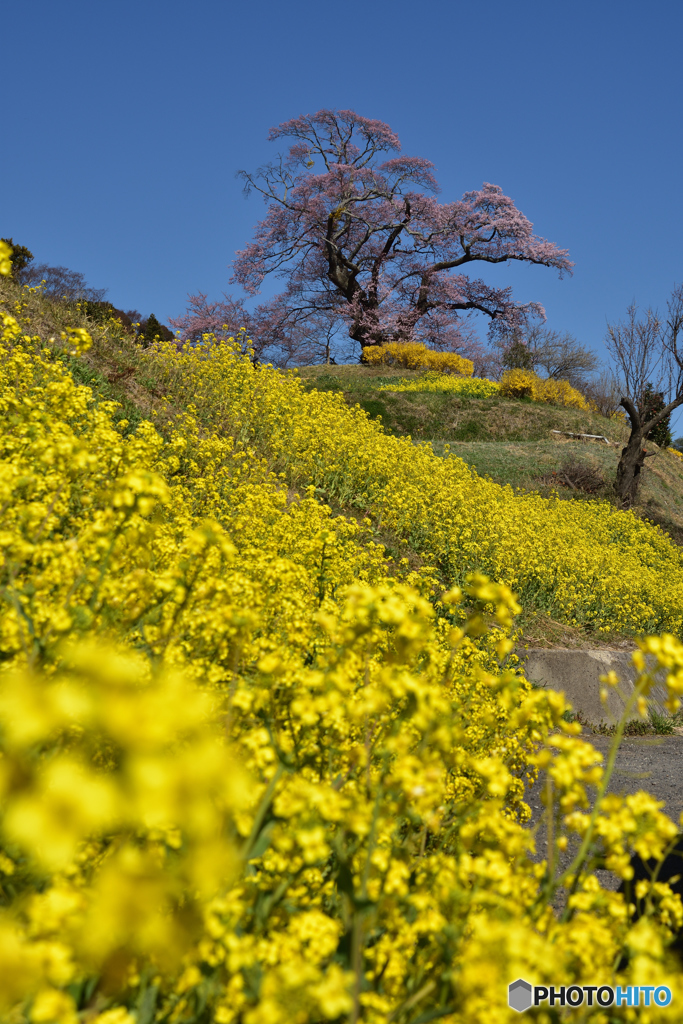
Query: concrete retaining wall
x=577, y=673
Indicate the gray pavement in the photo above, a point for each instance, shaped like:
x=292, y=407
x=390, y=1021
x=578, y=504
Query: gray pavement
x=651, y=763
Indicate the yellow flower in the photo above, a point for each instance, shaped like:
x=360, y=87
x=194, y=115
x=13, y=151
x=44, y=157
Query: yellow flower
x=79, y=338
x=5, y=260
x=117, y=1015
x=256, y=769
x=51, y=1006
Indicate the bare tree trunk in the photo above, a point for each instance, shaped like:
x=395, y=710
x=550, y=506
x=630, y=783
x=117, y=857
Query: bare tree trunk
x=646, y=351
x=633, y=455
x=629, y=469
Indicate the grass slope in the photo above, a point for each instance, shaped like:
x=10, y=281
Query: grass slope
x=452, y=417
x=512, y=441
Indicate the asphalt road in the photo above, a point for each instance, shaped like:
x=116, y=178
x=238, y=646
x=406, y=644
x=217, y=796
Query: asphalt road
x=652, y=763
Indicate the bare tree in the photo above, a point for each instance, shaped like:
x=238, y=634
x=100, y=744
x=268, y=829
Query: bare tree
x=646, y=351
x=560, y=355
x=605, y=392
x=60, y=283
x=554, y=354
x=303, y=335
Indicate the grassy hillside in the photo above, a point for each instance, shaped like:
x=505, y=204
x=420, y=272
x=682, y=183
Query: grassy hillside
x=435, y=417
x=512, y=441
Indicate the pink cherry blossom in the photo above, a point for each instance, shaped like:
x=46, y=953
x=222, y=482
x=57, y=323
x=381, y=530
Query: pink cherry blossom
x=363, y=245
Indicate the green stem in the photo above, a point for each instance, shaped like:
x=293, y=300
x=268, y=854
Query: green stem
x=580, y=858
x=261, y=813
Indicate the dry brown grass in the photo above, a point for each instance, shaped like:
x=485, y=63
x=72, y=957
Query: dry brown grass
x=577, y=475
x=540, y=631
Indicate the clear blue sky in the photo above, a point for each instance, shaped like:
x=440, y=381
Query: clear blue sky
x=124, y=124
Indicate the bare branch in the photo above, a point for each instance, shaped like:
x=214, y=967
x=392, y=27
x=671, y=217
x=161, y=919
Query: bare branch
x=636, y=347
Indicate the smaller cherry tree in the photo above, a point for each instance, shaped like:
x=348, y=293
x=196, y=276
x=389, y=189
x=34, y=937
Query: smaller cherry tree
x=359, y=238
x=275, y=331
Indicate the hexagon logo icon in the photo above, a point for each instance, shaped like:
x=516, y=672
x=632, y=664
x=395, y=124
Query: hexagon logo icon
x=519, y=995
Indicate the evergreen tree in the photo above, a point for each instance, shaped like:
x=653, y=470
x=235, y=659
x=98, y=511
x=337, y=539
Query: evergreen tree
x=651, y=403
x=100, y=312
x=20, y=258
x=518, y=356
x=151, y=329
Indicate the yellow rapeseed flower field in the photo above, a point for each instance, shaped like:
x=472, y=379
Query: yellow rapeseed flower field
x=252, y=772
x=584, y=562
x=432, y=381
x=513, y=384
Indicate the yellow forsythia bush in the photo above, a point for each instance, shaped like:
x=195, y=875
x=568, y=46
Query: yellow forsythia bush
x=526, y=384
x=252, y=772
x=413, y=355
